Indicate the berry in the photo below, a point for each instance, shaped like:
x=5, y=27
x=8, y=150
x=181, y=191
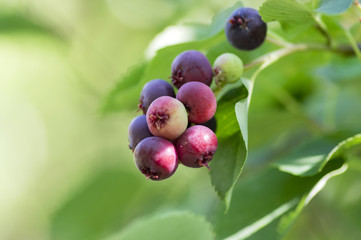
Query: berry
x=191, y=66
x=245, y=29
x=153, y=90
x=167, y=118
x=199, y=101
x=156, y=158
x=196, y=146
x=211, y=124
x=137, y=131
x=227, y=68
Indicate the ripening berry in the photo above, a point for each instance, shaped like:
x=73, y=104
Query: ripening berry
x=199, y=101
x=227, y=68
x=156, y=158
x=191, y=66
x=196, y=146
x=167, y=118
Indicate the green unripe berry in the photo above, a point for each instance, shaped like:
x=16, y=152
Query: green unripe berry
x=227, y=68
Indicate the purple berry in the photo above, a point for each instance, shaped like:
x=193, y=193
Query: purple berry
x=196, y=146
x=156, y=158
x=137, y=131
x=199, y=101
x=167, y=118
x=153, y=90
x=191, y=66
x=245, y=29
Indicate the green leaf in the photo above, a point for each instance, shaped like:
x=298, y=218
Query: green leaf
x=231, y=115
x=176, y=225
x=341, y=70
x=92, y=212
x=21, y=22
x=333, y=6
x=310, y=158
x=126, y=92
x=307, y=159
x=285, y=11
x=265, y=204
x=277, y=198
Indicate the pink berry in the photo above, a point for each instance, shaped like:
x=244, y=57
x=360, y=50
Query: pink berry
x=199, y=101
x=156, y=158
x=167, y=118
x=196, y=146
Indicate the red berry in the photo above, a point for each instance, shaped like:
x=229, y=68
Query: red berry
x=199, y=101
x=196, y=146
x=156, y=158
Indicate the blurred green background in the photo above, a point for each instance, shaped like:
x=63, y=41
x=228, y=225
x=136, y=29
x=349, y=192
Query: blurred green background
x=65, y=169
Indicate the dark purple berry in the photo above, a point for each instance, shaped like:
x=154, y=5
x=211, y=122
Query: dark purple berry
x=153, y=90
x=211, y=124
x=167, y=118
x=199, y=101
x=156, y=158
x=245, y=29
x=137, y=131
x=196, y=146
x=191, y=66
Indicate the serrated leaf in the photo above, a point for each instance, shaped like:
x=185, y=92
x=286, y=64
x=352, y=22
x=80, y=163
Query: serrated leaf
x=231, y=154
x=285, y=11
x=333, y=6
x=171, y=226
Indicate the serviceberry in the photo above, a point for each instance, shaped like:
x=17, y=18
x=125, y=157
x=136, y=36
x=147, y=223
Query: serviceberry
x=245, y=29
x=191, y=66
x=199, y=101
x=137, y=131
x=156, y=158
x=153, y=90
x=167, y=118
x=196, y=146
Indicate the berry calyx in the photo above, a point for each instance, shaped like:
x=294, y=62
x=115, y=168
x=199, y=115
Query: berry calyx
x=196, y=146
x=156, y=158
x=167, y=118
x=245, y=29
x=191, y=66
x=227, y=68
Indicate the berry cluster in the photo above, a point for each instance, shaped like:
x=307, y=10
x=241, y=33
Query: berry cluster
x=167, y=133
x=179, y=128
